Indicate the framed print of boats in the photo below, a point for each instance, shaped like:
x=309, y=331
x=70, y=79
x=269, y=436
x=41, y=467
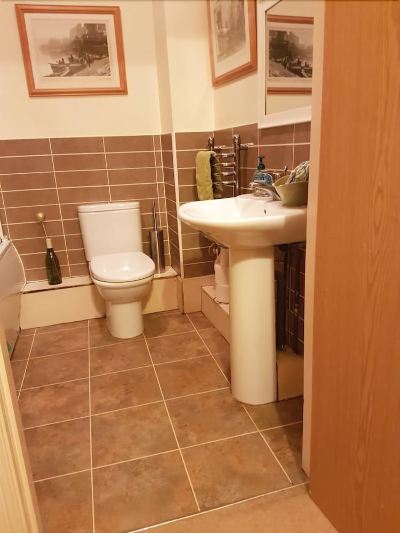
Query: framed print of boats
x=72, y=50
x=232, y=39
x=288, y=54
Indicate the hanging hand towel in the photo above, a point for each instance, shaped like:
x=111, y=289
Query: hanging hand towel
x=203, y=175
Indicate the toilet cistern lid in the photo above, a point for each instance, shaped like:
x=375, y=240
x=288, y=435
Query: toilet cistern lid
x=128, y=266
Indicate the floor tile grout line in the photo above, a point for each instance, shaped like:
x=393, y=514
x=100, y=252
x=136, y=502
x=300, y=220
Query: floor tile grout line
x=125, y=408
x=90, y=429
x=173, y=428
x=61, y=330
x=62, y=475
x=221, y=507
x=26, y=366
x=282, y=425
x=267, y=444
x=105, y=373
x=147, y=456
x=208, y=349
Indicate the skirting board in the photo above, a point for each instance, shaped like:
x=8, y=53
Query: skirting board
x=45, y=308
x=290, y=365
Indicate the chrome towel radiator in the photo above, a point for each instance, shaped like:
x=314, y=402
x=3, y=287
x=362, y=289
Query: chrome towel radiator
x=227, y=160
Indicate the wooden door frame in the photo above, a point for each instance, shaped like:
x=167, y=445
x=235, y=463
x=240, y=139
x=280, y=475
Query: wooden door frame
x=19, y=511
x=316, y=106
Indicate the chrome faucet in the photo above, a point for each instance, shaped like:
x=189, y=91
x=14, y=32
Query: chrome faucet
x=261, y=188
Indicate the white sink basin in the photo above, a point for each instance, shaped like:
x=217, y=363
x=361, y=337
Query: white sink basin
x=246, y=221
x=250, y=226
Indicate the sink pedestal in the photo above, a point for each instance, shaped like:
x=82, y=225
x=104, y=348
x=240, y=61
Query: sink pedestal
x=252, y=325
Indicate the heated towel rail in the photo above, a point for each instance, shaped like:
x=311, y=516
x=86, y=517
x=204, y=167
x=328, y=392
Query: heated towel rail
x=227, y=160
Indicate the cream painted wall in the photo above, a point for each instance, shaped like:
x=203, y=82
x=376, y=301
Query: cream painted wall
x=236, y=102
x=192, y=99
x=135, y=113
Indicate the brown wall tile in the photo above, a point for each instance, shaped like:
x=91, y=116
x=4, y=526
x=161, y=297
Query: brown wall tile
x=29, y=230
x=199, y=269
x=79, y=270
x=157, y=142
x=14, y=147
x=138, y=143
x=76, y=256
x=26, y=198
x=197, y=255
x=33, y=246
x=81, y=178
x=132, y=176
x=19, y=182
x=27, y=214
x=167, y=159
x=195, y=240
x=131, y=160
x=26, y=164
x=301, y=153
x=192, y=140
x=277, y=135
x=302, y=132
x=79, y=162
x=187, y=176
x=166, y=141
x=133, y=192
x=83, y=194
x=77, y=145
x=277, y=157
x=248, y=133
x=223, y=137
x=186, y=159
x=72, y=227
x=38, y=260
x=74, y=242
x=188, y=193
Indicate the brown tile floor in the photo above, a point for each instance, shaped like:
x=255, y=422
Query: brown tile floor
x=127, y=434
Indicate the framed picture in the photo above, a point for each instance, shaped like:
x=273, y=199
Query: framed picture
x=72, y=50
x=232, y=39
x=288, y=54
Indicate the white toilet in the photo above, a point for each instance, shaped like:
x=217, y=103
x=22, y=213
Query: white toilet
x=122, y=273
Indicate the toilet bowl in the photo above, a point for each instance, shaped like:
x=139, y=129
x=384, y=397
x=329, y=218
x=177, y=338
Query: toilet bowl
x=122, y=273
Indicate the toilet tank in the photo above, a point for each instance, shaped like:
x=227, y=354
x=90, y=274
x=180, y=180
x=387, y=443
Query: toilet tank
x=110, y=228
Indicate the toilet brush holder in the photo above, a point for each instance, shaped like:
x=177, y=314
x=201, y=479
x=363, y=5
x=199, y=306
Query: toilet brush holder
x=157, y=249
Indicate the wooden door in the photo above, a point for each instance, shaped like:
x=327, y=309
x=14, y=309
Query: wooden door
x=355, y=440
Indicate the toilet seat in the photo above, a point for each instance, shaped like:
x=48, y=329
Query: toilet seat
x=122, y=267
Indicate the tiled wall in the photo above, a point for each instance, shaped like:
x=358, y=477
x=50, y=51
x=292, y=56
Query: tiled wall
x=56, y=175
x=295, y=298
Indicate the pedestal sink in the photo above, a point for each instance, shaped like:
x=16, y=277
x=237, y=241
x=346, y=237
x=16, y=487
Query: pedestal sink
x=250, y=226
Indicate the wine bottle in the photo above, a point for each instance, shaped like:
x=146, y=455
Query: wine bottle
x=52, y=265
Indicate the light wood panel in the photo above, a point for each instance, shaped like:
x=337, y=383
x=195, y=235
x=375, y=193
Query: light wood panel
x=355, y=444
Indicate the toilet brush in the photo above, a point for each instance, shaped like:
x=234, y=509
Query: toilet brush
x=157, y=244
x=51, y=262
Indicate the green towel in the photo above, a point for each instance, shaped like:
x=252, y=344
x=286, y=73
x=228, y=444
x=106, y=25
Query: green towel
x=203, y=175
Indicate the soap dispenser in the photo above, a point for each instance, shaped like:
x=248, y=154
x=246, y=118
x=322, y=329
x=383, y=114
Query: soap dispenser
x=261, y=175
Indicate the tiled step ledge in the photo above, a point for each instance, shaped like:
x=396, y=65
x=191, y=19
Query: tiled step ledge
x=290, y=365
x=80, y=281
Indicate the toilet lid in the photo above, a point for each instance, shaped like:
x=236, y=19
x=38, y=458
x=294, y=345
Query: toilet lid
x=122, y=267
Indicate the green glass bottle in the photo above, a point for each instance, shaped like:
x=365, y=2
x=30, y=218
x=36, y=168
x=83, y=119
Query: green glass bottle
x=52, y=265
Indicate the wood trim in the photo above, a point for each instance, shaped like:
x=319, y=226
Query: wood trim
x=248, y=67
x=288, y=90
x=18, y=505
x=290, y=19
x=21, y=9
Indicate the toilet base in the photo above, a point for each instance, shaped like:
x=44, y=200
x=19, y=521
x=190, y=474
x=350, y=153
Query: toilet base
x=124, y=320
